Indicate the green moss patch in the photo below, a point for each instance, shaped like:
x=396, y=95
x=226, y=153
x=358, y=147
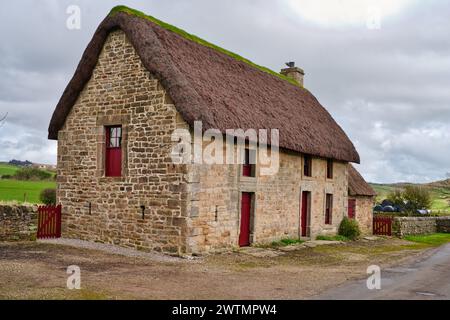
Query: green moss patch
x=333, y=238
x=198, y=40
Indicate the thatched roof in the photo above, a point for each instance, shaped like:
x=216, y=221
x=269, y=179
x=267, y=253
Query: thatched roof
x=211, y=85
x=357, y=186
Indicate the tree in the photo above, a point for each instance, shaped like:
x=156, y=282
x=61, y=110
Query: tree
x=396, y=197
x=411, y=198
x=417, y=197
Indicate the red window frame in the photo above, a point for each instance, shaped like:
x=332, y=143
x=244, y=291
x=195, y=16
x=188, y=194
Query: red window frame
x=330, y=168
x=113, y=152
x=248, y=169
x=328, y=208
x=307, y=166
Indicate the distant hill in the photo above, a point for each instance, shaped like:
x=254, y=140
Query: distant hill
x=440, y=191
x=27, y=163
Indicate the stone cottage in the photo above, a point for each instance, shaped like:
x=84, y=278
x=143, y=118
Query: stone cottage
x=137, y=82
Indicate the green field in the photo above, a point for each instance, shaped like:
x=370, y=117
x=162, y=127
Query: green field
x=23, y=191
x=7, y=169
x=440, y=193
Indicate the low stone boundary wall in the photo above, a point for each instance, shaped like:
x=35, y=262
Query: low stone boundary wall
x=18, y=222
x=404, y=226
x=443, y=225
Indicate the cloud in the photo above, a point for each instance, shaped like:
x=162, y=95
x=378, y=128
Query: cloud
x=387, y=88
x=345, y=12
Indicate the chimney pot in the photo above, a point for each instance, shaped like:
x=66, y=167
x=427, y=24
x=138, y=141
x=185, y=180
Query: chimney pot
x=293, y=72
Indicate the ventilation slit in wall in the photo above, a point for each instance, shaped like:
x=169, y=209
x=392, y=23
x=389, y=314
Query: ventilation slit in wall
x=143, y=212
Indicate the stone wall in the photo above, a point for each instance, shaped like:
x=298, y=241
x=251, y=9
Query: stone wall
x=18, y=222
x=106, y=209
x=364, y=213
x=215, y=195
x=404, y=226
x=443, y=225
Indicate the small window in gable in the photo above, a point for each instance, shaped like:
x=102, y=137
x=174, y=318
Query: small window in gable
x=113, y=154
x=329, y=168
x=307, y=166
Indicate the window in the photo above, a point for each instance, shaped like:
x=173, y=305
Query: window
x=329, y=168
x=248, y=168
x=113, y=154
x=307, y=166
x=328, y=208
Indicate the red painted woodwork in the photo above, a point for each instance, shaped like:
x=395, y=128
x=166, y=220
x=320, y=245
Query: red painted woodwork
x=246, y=205
x=113, y=154
x=328, y=208
x=304, y=213
x=49, y=222
x=382, y=226
x=351, y=208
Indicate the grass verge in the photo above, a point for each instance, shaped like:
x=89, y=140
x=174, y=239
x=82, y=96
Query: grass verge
x=286, y=242
x=333, y=238
x=434, y=239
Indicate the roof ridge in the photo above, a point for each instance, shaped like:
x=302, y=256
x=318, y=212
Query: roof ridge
x=196, y=39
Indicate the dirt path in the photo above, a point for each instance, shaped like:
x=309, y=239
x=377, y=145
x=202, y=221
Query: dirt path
x=38, y=271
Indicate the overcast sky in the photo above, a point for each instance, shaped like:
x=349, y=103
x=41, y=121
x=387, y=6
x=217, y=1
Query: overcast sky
x=382, y=68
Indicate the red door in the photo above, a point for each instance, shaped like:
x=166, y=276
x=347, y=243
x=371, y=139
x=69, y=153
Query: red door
x=351, y=208
x=113, y=154
x=246, y=204
x=304, y=213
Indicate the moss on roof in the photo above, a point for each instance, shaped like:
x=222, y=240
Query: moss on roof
x=198, y=40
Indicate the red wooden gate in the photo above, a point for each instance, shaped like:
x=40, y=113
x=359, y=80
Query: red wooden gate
x=382, y=226
x=49, y=222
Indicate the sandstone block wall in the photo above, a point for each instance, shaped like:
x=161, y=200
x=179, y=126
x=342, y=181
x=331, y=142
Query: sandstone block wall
x=215, y=199
x=364, y=213
x=18, y=222
x=98, y=208
x=404, y=226
x=443, y=225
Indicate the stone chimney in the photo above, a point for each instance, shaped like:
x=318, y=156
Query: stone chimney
x=293, y=72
